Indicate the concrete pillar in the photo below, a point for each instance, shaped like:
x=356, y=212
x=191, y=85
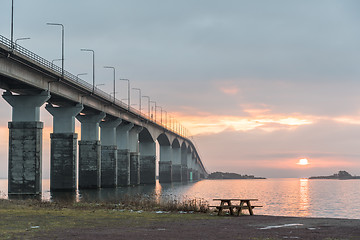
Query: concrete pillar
x=134, y=155
x=176, y=164
x=189, y=160
x=90, y=151
x=165, y=164
x=25, y=143
x=109, y=152
x=196, y=175
x=123, y=158
x=184, y=167
x=63, y=169
x=147, y=162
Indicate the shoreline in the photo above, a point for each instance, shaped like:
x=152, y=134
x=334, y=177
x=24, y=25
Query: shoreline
x=31, y=220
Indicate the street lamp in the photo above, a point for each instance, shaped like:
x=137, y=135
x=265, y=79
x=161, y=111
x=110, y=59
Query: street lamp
x=148, y=104
x=160, y=113
x=155, y=108
x=20, y=39
x=165, y=118
x=80, y=74
x=93, y=54
x=12, y=24
x=128, y=85
x=114, y=78
x=62, y=45
x=138, y=89
x=52, y=62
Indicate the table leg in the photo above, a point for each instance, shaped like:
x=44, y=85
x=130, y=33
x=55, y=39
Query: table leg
x=240, y=208
x=249, y=207
x=230, y=208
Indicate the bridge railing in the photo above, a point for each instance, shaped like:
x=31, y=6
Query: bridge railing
x=174, y=127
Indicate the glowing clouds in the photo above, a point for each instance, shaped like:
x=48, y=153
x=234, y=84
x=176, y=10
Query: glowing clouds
x=229, y=90
x=210, y=124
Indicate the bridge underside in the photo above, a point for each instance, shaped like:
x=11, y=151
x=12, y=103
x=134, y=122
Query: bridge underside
x=117, y=146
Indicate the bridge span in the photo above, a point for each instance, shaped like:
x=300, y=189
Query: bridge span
x=118, y=143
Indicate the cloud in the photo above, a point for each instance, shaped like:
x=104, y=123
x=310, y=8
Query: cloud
x=330, y=146
x=207, y=123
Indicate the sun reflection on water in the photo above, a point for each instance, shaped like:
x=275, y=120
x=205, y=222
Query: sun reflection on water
x=304, y=197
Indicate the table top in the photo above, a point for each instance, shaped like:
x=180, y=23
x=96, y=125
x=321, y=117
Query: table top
x=235, y=199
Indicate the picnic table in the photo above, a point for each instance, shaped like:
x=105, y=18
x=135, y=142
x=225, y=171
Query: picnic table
x=228, y=203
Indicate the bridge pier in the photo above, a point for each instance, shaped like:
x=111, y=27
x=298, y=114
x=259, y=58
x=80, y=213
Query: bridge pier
x=109, y=152
x=165, y=164
x=176, y=163
x=147, y=162
x=90, y=151
x=196, y=175
x=25, y=143
x=63, y=169
x=189, y=164
x=184, y=167
x=184, y=173
x=134, y=155
x=123, y=158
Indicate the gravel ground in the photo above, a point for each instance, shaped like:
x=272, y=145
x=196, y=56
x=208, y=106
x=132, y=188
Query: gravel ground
x=243, y=227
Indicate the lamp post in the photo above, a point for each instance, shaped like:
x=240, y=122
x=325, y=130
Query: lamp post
x=20, y=39
x=62, y=45
x=114, y=78
x=160, y=113
x=155, y=108
x=93, y=54
x=138, y=89
x=165, y=118
x=128, y=85
x=171, y=123
x=80, y=74
x=54, y=60
x=148, y=104
x=12, y=24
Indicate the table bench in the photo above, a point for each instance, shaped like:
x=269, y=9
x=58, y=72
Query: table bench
x=233, y=208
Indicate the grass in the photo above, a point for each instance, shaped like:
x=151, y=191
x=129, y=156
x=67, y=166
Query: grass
x=28, y=218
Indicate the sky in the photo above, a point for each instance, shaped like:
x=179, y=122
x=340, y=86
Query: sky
x=260, y=84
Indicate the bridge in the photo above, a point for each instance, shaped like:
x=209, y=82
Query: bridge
x=118, y=142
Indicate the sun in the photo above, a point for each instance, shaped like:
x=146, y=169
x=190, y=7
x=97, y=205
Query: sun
x=303, y=161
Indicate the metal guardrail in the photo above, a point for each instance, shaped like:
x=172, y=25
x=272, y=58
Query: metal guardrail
x=173, y=127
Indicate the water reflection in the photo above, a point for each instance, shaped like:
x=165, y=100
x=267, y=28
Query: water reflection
x=284, y=197
x=304, y=197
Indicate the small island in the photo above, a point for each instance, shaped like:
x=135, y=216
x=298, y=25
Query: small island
x=227, y=175
x=342, y=175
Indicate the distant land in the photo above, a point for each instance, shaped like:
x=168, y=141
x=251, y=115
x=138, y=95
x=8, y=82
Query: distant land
x=227, y=175
x=340, y=175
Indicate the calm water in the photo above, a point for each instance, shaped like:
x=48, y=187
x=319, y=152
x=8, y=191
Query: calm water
x=283, y=196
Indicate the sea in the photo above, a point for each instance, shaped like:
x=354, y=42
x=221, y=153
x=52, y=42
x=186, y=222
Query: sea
x=279, y=196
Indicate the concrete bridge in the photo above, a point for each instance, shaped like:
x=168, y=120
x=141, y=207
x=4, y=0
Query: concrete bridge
x=118, y=143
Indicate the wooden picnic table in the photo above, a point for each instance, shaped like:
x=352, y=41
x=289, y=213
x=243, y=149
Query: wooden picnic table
x=227, y=203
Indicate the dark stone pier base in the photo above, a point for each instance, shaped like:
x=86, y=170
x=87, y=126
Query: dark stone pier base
x=165, y=172
x=108, y=166
x=134, y=168
x=176, y=173
x=25, y=149
x=63, y=161
x=147, y=169
x=89, y=164
x=184, y=174
x=123, y=168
